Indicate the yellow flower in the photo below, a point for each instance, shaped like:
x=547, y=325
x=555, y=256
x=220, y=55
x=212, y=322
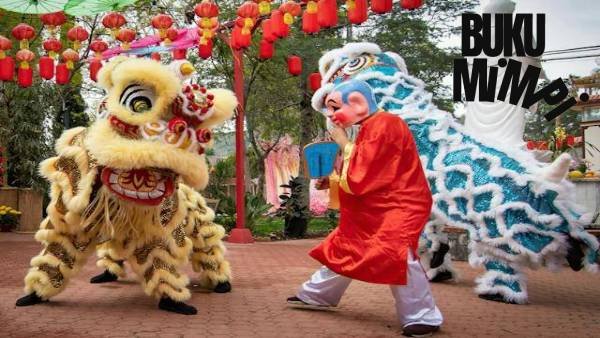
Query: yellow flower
x=2, y=212
x=14, y=212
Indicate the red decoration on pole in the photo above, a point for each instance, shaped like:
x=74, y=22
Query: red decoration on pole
x=113, y=21
x=314, y=81
x=294, y=64
x=25, y=73
x=77, y=35
x=205, y=51
x=411, y=4
x=62, y=74
x=7, y=63
x=126, y=36
x=357, y=11
x=266, y=50
x=327, y=13
x=23, y=32
x=381, y=6
x=310, y=18
x=53, y=21
x=290, y=9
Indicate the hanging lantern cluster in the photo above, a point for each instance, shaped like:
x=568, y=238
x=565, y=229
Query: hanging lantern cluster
x=98, y=47
x=208, y=12
x=46, y=64
x=327, y=15
x=24, y=33
x=7, y=63
x=291, y=10
x=310, y=21
x=280, y=29
x=241, y=35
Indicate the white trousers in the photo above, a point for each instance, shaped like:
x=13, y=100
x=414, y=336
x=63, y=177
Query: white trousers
x=414, y=301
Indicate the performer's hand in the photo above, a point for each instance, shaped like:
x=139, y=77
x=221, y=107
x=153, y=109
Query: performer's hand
x=322, y=183
x=339, y=136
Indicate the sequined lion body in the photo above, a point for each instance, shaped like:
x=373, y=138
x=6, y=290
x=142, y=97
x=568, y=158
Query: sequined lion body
x=127, y=184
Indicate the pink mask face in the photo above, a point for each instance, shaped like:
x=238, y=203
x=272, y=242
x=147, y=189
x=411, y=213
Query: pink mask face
x=344, y=115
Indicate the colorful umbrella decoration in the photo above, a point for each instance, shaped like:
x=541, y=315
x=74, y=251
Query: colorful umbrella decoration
x=33, y=6
x=91, y=7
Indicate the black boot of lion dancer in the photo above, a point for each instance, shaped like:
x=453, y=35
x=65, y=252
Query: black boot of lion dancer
x=575, y=254
x=222, y=287
x=30, y=299
x=167, y=304
x=105, y=277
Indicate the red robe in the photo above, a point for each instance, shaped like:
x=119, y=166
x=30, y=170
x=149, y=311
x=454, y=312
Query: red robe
x=389, y=204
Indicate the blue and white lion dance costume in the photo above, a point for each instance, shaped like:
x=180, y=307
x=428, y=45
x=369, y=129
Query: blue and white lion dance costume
x=518, y=212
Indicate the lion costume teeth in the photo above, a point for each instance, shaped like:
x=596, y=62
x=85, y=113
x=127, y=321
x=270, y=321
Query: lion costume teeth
x=127, y=183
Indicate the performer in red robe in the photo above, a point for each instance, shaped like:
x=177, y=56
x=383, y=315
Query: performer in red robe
x=385, y=202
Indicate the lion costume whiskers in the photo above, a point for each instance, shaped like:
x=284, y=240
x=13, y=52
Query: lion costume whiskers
x=127, y=185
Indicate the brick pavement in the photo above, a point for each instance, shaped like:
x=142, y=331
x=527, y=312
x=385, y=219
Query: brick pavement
x=565, y=304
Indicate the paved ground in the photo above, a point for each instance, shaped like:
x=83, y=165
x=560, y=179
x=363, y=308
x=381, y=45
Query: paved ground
x=565, y=304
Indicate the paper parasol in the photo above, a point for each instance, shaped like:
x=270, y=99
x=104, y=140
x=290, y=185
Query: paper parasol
x=33, y=6
x=320, y=158
x=92, y=7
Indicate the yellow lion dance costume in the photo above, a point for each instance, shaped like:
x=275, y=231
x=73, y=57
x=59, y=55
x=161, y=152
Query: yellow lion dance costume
x=126, y=184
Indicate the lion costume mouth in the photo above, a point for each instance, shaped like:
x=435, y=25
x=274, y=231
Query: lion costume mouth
x=142, y=186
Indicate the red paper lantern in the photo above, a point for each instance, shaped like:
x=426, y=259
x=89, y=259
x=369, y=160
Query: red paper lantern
x=239, y=40
x=23, y=32
x=205, y=50
x=70, y=56
x=114, y=21
x=411, y=4
x=268, y=33
x=208, y=12
x=357, y=11
x=7, y=63
x=98, y=47
x=46, y=67
x=162, y=22
x=381, y=6
x=314, y=81
x=310, y=20
x=179, y=54
x=294, y=64
x=290, y=9
x=25, y=73
x=126, y=36
x=95, y=66
x=77, y=35
x=206, y=9
x=248, y=9
x=280, y=29
x=53, y=20
x=266, y=50
x=155, y=56
x=52, y=46
x=62, y=74
x=327, y=13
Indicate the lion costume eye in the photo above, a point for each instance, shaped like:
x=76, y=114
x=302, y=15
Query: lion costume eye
x=357, y=64
x=137, y=98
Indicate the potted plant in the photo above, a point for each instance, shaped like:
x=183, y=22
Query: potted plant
x=9, y=218
x=293, y=209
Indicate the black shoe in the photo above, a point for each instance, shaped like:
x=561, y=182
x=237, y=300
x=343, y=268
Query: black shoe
x=419, y=330
x=299, y=303
x=170, y=305
x=575, y=254
x=439, y=255
x=441, y=277
x=496, y=297
x=104, y=277
x=222, y=287
x=30, y=299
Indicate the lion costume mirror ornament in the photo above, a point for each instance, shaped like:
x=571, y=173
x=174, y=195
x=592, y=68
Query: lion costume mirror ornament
x=518, y=212
x=126, y=186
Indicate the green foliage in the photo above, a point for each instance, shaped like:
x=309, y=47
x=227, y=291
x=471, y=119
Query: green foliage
x=256, y=208
x=294, y=208
x=220, y=174
x=268, y=226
